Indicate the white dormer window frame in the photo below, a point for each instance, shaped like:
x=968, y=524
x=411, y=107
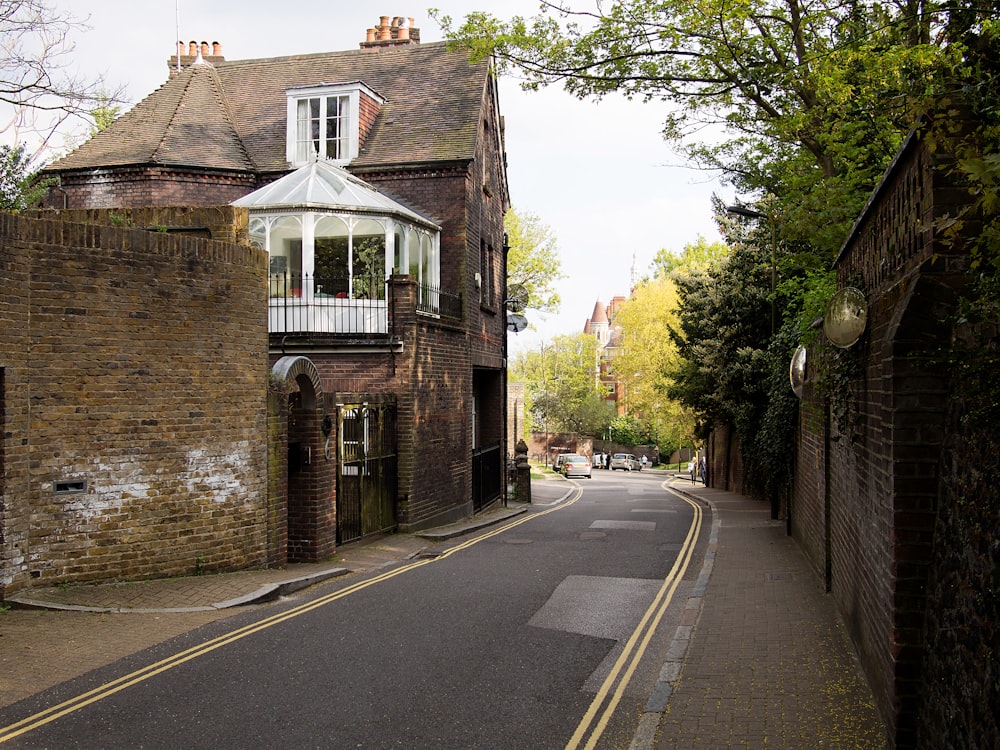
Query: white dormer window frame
x=324, y=121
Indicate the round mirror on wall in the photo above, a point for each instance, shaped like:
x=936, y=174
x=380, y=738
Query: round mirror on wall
x=845, y=317
x=797, y=370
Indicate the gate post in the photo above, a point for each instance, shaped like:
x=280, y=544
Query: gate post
x=523, y=471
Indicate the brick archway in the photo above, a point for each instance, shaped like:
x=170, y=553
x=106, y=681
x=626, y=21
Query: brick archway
x=311, y=474
x=301, y=371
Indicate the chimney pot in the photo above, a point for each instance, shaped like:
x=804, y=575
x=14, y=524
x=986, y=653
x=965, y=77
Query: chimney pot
x=370, y=35
x=385, y=32
x=193, y=49
x=216, y=49
x=384, y=21
x=403, y=32
x=204, y=49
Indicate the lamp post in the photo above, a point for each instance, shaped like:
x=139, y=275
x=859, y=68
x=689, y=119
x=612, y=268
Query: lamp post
x=749, y=213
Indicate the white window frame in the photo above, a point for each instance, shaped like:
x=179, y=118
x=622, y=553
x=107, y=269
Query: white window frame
x=349, y=91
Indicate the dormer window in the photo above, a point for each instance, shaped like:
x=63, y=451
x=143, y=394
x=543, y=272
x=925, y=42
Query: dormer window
x=325, y=121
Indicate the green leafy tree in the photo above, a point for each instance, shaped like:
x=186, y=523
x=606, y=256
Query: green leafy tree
x=533, y=264
x=814, y=97
x=700, y=254
x=562, y=389
x=646, y=361
x=19, y=184
x=104, y=113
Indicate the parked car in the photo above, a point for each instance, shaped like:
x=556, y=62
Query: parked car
x=575, y=465
x=625, y=462
x=558, y=464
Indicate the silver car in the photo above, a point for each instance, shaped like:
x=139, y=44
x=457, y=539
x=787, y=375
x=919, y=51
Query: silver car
x=575, y=465
x=625, y=462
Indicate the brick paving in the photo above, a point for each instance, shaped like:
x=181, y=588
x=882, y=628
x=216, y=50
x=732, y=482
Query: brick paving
x=767, y=663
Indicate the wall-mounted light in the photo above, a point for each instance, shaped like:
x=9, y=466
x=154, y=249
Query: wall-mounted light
x=845, y=317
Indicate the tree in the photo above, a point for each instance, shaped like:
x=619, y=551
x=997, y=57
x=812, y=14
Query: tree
x=562, y=389
x=533, y=265
x=646, y=361
x=19, y=187
x=37, y=83
x=814, y=97
x=702, y=254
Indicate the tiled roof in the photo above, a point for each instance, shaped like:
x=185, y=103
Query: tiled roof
x=184, y=122
x=233, y=115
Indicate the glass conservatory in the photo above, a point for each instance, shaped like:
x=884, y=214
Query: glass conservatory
x=333, y=241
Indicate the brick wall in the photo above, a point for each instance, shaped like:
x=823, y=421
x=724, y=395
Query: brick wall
x=120, y=187
x=868, y=461
x=143, y=358
x=216, y=222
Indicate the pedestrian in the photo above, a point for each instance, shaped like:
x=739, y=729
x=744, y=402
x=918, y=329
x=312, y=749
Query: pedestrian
x=643, y=461
x=607, y=461
x=702, y=466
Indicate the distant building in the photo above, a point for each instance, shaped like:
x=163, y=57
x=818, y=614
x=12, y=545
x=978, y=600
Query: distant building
x=601, y=324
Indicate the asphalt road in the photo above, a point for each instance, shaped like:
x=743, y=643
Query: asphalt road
x=545, y=633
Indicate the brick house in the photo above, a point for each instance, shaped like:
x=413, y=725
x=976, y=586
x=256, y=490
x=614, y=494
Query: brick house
x=375, y=179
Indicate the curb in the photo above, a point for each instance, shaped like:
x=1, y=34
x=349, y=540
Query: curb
x=670, y=673
x=267, y=592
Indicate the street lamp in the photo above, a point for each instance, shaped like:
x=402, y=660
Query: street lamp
x=749, y=213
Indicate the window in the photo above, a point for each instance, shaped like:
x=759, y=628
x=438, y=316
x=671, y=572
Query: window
x=322, y=125
x=324, y=121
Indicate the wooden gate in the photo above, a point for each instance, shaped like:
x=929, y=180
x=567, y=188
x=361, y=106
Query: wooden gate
x=366, y=476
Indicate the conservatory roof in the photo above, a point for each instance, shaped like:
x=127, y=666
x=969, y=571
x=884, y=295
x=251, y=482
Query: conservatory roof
x=323, y=186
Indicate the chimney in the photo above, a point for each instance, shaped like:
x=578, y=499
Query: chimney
x=391, y=31
x=190, y=53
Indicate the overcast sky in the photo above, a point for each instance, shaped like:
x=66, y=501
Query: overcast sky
x=598, y=174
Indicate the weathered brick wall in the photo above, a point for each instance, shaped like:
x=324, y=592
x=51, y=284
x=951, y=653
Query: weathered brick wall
x=865, y=499
x=15, y=401
x=809, y=520
x=214, y=222
x=961, y=679
x=120, y=187
x=143, y=359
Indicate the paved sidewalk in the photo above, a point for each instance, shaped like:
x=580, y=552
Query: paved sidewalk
x=761, y=659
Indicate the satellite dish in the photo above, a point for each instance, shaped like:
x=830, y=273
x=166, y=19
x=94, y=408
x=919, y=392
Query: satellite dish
x=516, y=323
x=845, y=317
x=797, y=371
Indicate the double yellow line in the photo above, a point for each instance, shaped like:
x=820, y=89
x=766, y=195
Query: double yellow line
x=108, y=689
x=626, y=664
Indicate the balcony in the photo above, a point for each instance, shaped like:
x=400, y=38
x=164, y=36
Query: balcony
x=305, y=304
x=346, y=306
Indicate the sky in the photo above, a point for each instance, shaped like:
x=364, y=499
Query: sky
x=598, y=174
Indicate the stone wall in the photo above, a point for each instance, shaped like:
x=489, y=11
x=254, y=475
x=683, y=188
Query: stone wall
x=134, y=399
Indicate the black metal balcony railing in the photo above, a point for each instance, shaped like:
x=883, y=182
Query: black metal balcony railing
x=433, y=301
